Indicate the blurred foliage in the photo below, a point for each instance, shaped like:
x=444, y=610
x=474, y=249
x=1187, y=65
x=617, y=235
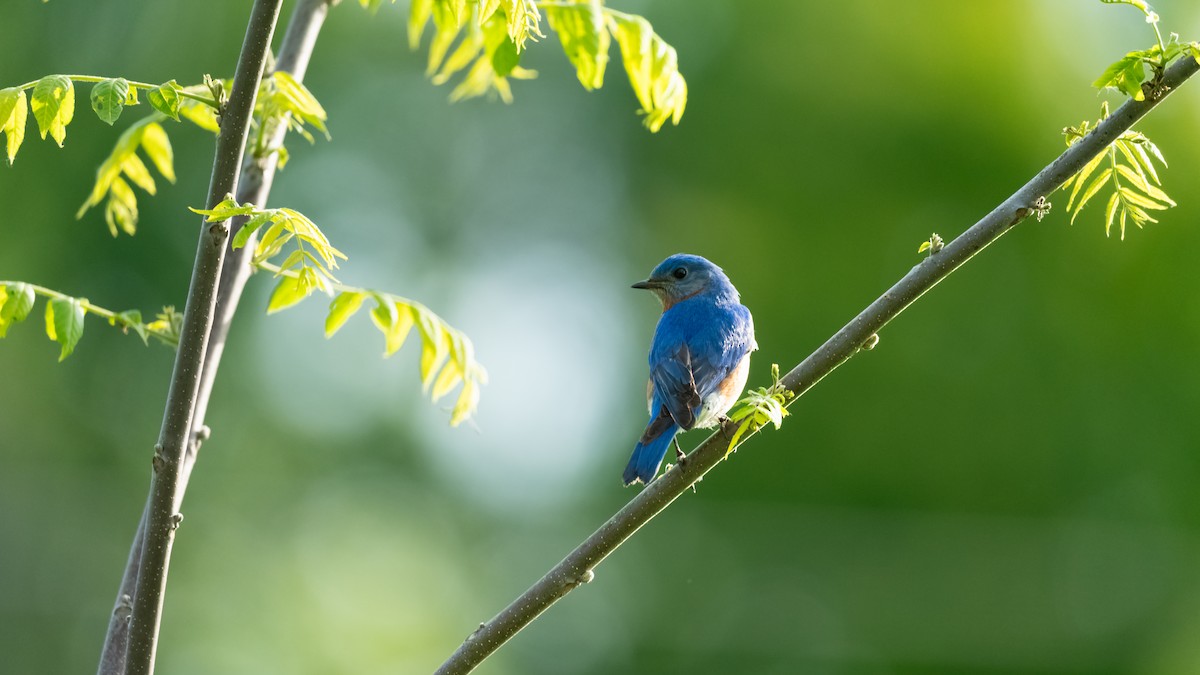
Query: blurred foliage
x=1005, y=484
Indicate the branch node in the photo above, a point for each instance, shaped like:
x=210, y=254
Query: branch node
x=175, y=520
x=200, y=435
x=159, y=462
x=869, y=343
x=1041, y=208
x=124, y=608
x=218, y=232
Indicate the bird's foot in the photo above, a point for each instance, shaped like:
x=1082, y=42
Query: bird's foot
x=680, y=457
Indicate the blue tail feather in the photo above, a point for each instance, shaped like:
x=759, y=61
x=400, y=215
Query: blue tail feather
x=647, y=457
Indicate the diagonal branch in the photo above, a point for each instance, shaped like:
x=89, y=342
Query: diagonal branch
x=577, y=567
x=254, y=186
x=162, y=515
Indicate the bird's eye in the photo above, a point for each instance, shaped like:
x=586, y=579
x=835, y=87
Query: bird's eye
x=679, y=273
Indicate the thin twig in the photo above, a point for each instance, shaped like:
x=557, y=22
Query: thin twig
x=162, y=516
x=577, y=568
x=254, y=186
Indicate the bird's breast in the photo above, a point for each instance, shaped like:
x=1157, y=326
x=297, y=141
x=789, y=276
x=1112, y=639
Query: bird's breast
x=727, y=393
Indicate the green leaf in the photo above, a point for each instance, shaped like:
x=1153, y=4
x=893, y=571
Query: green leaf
x=200, y=114
x=64, y=324
x=108, y=98
x=226, y=209
x=1137, y=198
x=165, y=99
x=137, y=173
x=447, y=27
x=1092, y=189
x=394, y=320
x=288, y=292
x=121, y=209
x=300, y=101
x=468, y=401
x=418, y=16
x=13, y=111
x=524, y=22
x=1109, y=212
x=1143, y=159
x=435, y=344
x=341, y=309
x=53, y=105
x=505, y=58
x=243, y=235
x=447, y=380
x=15, y=304
x=132, y=320
x=584, y=39
x=1125, y=75
x=1082, y=176
x=653, y=71
x=157, y=147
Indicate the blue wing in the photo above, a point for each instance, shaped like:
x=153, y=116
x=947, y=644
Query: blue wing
x=697, y=345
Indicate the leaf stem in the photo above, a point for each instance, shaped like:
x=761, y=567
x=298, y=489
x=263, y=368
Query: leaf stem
x=114, y=318
x=577, y=568
x=133, y=83
x=335, y=285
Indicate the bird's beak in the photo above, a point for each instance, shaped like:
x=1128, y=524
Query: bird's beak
x=648, y=284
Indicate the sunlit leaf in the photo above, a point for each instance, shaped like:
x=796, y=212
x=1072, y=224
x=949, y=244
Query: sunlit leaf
x=1109, y=212
x=418, y=16
x=200, y=114
x=165, y=99
x=435, y=344
x=300, y=101
x=584, y=39
x=64, y=323
x=16, y=304
x=157, y=147
x=1092, y=189
x=468, y=401
x=288, y=292
x=653, y=71
x=1125, y=75
x=250, y=227
x=13, y=111
x=108, y=98
x=524, y=22
x=341, y=309
x=227, y=208
x=137, y=173
x=1081, y=177
x=53, y=106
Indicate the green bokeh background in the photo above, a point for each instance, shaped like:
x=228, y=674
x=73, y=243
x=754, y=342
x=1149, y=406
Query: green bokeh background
x=1007, y=484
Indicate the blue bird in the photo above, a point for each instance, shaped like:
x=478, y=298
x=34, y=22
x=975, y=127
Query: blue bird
x=699, y=357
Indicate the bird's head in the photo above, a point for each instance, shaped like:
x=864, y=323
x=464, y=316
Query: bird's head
x=682, y=276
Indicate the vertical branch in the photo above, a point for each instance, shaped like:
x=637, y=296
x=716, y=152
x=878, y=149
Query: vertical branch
x=254, y=186
x=162, y=516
